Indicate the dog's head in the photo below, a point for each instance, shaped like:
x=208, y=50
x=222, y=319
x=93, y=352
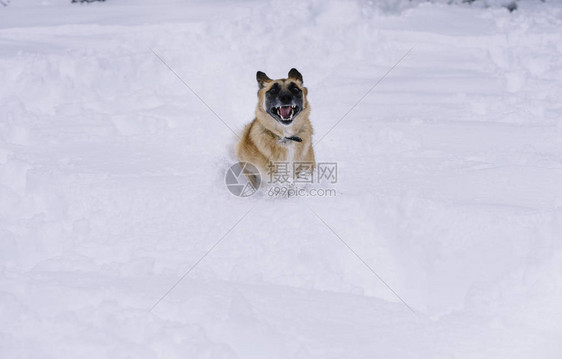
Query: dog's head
x=283, y=100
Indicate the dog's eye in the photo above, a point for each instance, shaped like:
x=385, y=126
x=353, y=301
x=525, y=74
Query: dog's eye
x=274, y=90
x=295, y=89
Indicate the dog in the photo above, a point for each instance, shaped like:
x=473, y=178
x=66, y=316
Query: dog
x=281, y=130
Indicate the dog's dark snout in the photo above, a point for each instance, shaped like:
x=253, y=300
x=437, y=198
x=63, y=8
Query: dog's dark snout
x=286, y=99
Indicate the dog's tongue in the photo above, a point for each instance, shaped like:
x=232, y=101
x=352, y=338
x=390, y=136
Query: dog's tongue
x=285, y=111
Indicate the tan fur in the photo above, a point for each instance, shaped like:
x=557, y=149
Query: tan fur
x=263, y=140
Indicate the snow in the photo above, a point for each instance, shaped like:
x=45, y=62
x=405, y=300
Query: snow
x=112, y=181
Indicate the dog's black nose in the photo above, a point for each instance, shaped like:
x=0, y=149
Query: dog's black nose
x=286, y=99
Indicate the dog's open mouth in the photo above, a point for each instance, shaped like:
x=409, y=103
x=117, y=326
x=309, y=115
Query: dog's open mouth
x=286, y=113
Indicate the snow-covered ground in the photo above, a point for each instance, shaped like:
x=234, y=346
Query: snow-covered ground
x=112, y=181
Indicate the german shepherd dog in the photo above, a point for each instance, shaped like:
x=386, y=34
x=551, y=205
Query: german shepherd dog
x=281, y=131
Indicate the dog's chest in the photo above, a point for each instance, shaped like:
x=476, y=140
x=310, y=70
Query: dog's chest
x=290, y=151
x=290, y=147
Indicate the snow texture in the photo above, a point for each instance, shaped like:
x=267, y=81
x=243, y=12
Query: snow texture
x=112, y=181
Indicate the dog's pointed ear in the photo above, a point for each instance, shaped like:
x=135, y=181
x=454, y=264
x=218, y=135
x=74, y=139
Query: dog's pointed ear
x=295, y=75
x=262, y=78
